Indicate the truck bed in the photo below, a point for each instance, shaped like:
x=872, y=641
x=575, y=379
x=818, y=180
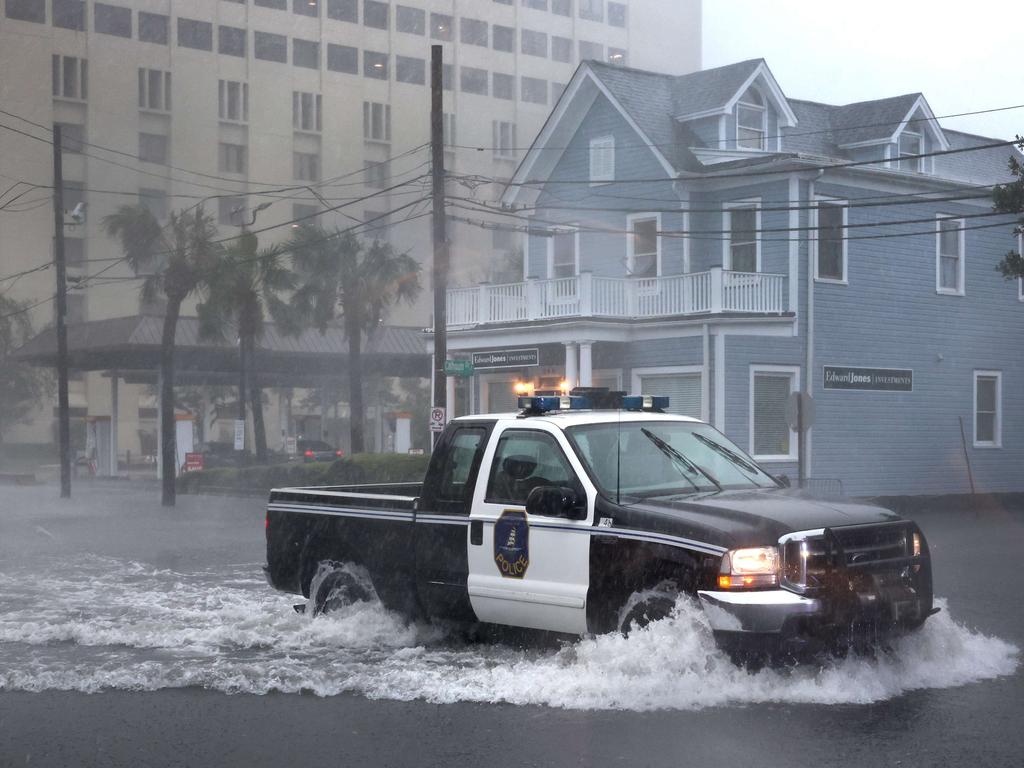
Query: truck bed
x=369, y=524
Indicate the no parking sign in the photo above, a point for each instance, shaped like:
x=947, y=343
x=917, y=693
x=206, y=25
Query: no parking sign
x=437, y=419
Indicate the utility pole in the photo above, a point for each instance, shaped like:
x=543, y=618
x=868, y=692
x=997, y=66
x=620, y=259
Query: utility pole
x=440, y=274
x=63, y=412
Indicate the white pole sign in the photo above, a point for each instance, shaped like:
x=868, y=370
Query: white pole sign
x=437, y=419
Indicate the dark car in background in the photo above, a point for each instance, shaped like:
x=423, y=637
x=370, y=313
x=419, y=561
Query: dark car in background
x=217, y=454
x=318, y=450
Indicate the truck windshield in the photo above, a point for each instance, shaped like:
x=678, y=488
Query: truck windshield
x=662, y=458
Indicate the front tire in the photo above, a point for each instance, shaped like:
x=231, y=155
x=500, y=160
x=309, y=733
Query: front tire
x=640, y=612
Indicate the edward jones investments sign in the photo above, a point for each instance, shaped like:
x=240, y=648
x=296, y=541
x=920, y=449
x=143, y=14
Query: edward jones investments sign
x=871, y=379
x=507, y=358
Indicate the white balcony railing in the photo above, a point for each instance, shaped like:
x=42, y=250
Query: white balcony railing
x=587, y=295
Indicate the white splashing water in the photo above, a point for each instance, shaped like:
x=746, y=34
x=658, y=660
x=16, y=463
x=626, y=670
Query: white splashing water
x=100, y=623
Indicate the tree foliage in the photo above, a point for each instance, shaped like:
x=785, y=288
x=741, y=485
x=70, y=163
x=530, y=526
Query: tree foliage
x=240, y=291
x=23, y=387
x=175, y=260
x=1009, y=198
x=341, y=276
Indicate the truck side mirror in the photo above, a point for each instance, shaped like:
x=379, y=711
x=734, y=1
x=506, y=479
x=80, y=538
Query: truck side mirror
x=555, y=501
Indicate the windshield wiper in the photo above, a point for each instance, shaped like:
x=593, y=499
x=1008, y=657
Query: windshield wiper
x=679, y=458
x=732, y=456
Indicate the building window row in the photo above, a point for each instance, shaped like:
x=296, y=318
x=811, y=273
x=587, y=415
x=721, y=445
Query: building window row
x=231, y=41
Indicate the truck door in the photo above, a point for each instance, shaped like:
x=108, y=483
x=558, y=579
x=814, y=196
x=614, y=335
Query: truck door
x=442, y=520
x=529, y=571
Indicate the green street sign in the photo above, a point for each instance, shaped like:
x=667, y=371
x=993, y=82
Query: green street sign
x=458, y=367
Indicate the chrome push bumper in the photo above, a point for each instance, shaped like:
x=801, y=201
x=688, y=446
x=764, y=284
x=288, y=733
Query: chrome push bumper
x=765, y=611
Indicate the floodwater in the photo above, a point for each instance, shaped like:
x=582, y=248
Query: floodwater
x=112, y=592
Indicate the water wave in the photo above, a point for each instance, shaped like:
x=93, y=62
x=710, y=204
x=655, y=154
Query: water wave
x=99, y=623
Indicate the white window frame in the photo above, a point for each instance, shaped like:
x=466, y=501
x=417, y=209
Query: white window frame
x=794, y=386
x=960, y=290
x=636, y=374
x=486, y=379
x=763, y=109
x=845, y=242
x=997, y=442
x=576, y=252
x=630, y=219
x=727, y=208
x=602, y=144
x=920, y=151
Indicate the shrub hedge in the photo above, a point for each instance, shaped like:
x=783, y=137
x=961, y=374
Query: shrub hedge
x=351, y=470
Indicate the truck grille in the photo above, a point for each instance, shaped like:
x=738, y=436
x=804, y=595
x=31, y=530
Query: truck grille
x=811, y=560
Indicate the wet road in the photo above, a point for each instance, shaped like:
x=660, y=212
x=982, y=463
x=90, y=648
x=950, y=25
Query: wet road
x=164, y=615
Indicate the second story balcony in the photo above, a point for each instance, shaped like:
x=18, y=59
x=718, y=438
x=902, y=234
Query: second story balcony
x=715, y=292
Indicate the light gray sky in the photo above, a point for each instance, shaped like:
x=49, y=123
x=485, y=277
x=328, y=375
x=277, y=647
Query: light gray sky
x=962, y=56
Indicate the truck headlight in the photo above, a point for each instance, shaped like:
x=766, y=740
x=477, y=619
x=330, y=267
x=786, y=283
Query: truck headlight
x=749, y=568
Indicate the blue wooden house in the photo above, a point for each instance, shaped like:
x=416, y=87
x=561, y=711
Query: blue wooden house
x=706, y=237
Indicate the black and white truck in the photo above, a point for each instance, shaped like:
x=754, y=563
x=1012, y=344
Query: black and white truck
x=591, y=514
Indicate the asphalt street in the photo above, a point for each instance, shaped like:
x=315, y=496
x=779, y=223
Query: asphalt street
x=138, y=721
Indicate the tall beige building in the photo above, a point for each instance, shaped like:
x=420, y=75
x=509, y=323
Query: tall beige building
x=168, y=102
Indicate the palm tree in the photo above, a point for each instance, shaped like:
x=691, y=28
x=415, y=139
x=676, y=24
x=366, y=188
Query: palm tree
x=239, y=293
x=175, y=260
x=339, y=273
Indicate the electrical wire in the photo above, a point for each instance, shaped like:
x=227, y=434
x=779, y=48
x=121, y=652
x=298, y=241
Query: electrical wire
x=787, y=135
x=201, y=174
x=574, y=227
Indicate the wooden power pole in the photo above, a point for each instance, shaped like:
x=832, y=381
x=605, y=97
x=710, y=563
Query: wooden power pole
x=440, y=273
x=63, y=412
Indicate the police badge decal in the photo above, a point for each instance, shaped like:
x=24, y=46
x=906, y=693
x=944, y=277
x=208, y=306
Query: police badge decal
x=512, y=544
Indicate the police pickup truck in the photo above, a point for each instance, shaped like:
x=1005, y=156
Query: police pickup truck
x=591, y=513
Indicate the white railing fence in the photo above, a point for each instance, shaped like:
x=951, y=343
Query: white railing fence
x=588, y=295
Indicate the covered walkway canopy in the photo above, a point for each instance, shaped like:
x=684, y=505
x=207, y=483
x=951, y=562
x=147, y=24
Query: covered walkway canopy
x=131, y=347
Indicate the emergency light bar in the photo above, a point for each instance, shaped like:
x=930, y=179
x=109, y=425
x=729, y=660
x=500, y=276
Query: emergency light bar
x=594, y=400
x=545, y=403
x=645, y=402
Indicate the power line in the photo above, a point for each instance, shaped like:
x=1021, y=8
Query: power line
x=564, y=228
x=680, y=207
x=225, y=192
x=762, y=172
x=174, y=167
x=92, y=280
x=333, y=235
x=787, y=135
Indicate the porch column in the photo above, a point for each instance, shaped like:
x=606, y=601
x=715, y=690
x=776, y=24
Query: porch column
x=586, y=363
x=571, y=369
x=113, y=423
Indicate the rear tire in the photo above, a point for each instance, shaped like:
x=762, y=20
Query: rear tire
x=337, y=590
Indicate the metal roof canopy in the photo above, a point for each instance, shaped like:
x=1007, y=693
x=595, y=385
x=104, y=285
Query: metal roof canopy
x=131, y=346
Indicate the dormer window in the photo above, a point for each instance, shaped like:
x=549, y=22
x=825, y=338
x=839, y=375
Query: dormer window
x=750, y=121
x=911, y=144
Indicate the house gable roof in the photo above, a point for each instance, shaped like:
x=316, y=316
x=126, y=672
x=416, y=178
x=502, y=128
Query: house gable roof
x=641, y=98
x=716, y=91
x=880, y=121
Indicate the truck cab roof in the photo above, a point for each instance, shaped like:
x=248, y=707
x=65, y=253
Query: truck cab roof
x=568, y=418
